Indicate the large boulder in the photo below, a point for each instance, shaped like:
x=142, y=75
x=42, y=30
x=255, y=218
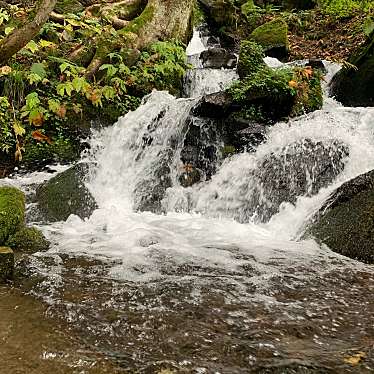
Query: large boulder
x=345, y=223
x=300, y=169
x=272, y=36
x=12, y=212
x=355, y=87
x=66, y=194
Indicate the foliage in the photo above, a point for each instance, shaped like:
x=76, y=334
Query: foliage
x=345, y=8
x=264, y=93
x=45, y=95
x=251, y=58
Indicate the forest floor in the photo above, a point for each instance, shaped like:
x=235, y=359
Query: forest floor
x=313, y=34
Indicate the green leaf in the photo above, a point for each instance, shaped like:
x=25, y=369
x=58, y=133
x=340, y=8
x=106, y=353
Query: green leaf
x=32, y=46
x=108, y=92
x=54, y=105
x=38, y=69
x=8, y=30
x=46, y=44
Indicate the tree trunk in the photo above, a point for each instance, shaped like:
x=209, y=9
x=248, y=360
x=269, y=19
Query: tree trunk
x=15, y=41
x=160, y=20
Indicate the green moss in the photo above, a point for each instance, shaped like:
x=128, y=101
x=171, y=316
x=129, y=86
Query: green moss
x=228, y=150
x=272, y=35
x=248, y=8
x=12, y=211
x=29, y=240
x=137, y=23
x=251, y=58
x=69, y=6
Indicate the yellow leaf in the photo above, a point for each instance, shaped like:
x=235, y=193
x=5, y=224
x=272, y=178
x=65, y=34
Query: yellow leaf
x=293, y=84
x=355, y=359
x=18, y=129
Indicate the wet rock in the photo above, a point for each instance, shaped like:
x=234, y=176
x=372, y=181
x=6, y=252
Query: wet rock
x=28, y=240
x=12, y=212
x=6, y=263
x=354, y=87
x=66, y=194
x=215, y=105
x=151, y=190
x=272, y=36
x=217, y=58
x=300, y=169
x=345, y=223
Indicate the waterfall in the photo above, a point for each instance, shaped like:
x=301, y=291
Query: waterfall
x=255, y=202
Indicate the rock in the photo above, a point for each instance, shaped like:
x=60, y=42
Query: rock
x=272, y=36
x=215, y=105
x=28, y=240
x=354, y=87
x=217, y=58
x=300, y=169
x=6, y=264
x=298, y=4
x=150, y=191
x=345, y=223
x=12, y=212
x=221, y=12
x=66, y=194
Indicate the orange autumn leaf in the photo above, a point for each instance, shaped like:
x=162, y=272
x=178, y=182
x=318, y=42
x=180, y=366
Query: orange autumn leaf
x=308, y=72
x=38, y=136
x=293, y=84
x=36, y=119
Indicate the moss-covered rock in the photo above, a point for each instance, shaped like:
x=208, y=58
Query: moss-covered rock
x=355, y=87
x=66, y=194
x=264, y=94
x=272, y=36
x=28, y=240
x=12, y=212
x=6, y=263
x=346, y=221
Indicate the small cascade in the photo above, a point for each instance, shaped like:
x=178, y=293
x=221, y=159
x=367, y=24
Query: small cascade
x=256, y=201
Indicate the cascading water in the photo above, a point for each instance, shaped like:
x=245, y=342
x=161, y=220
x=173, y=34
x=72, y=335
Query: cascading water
x=215, y=280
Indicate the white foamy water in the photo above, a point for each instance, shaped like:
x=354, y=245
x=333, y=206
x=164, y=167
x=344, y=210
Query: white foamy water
x=129, y=156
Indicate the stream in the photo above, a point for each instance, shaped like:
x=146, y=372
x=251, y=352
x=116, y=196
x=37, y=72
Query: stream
x=218, y=278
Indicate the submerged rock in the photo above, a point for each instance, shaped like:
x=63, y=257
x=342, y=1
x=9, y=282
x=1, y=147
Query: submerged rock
x=66, y=194
x=345, y=223
x=12, y=212
x=355, y=87
x=28, y=240
x=6, y=263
